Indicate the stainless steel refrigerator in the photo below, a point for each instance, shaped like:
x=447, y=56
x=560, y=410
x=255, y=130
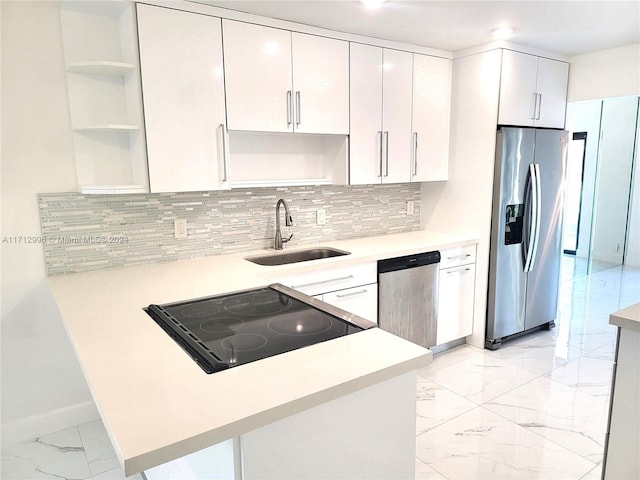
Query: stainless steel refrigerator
x=526, y=232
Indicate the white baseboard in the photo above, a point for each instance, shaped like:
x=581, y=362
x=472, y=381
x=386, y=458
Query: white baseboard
x=38, y=425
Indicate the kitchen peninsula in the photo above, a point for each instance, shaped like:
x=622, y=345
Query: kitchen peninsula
x=341, y=408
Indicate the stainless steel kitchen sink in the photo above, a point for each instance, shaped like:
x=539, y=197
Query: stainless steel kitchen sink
x=297, y=256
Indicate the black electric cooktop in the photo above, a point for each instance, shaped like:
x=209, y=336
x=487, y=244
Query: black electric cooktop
x=233, y=329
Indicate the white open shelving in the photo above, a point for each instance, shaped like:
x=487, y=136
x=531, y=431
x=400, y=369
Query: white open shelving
x=105, y=96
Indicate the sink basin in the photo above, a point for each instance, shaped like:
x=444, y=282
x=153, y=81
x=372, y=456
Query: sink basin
x=297, y=256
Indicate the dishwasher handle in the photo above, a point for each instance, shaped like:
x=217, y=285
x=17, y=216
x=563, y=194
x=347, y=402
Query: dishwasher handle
x=408, y=261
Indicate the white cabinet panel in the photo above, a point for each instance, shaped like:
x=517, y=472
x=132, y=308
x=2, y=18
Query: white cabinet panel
x=258, y=77
x=365, y=162
x=279, y=81
x=321, y=84
x=517, y=89
x=361, y=301
x=455, y=303
x=430, y=120
x=533, y=90
x=380, y=104
x=183, y=85
x=553, y=77
x=397, y=68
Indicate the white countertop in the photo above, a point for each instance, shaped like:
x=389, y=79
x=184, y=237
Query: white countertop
x=156, y=402
x=627, y=317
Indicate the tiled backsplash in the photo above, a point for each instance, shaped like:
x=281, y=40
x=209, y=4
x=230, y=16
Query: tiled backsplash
x=92, y=232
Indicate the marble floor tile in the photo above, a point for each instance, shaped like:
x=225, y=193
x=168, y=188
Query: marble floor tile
x=425, y=472
x=481, y=379
x=97, y=446
x=482, y=445
x=59, y=455
x=587, y=375
x=449, y=357
x=564, y=415
x=435, y=405
x=116, y=474
x=595, y=474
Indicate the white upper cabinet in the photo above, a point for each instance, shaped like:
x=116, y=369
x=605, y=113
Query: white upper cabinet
x=183, y=96
x=533, y=90
x=279, y=81
x=380, y=104
x=431, y=115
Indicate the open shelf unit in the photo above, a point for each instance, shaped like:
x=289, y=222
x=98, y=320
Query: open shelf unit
x=105, y=96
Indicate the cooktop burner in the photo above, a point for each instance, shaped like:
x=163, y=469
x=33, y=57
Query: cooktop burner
x=230, y=330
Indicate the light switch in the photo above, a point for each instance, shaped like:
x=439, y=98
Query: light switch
x=321, y=217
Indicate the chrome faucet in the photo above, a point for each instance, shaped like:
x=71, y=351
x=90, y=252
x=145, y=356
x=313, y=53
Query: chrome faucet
x=287, y=220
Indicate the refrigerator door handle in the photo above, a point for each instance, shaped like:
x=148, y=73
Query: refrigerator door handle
x=531, y=204
x=537, y=198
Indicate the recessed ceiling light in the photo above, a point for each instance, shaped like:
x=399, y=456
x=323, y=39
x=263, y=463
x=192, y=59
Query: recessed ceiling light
x=372, y=4
x=502, y=33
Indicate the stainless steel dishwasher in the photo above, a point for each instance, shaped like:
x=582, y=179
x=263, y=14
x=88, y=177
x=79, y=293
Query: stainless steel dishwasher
x=408, y=297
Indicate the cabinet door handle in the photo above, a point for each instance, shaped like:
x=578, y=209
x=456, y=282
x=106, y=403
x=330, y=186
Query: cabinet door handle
x=224, y=153
x=359, y=292
x=386, y=154
x=322, y=281
x=533, y=106
x=464, y=255
x=298, y=109
x=289, y=107
x=415, y=153
x=380, y=134
x=459, y=270
x=539, y=106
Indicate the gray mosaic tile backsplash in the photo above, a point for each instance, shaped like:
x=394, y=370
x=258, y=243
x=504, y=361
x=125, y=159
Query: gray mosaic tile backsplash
x=93, y=232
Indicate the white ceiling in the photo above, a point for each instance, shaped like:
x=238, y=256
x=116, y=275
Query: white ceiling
x=564, y=27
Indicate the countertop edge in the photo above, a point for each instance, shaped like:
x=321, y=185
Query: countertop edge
x=628, y=317
x=179, y=449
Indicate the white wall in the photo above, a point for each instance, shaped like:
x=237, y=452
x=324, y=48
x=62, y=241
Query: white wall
x=463, y=203
x=614, y=72
x=42, y=386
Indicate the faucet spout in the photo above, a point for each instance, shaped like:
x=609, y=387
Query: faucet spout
x=288, y=221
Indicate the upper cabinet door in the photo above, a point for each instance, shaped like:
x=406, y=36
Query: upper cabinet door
x=533, y=90
x=553, y=77
x=258, y=77
x=320, y=84
x=431, y=115
x=397, y=76
x=183, y=95
x=365, y=100
x=518, y=89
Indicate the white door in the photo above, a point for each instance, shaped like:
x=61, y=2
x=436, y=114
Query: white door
x=361, y=301
x=257, y=63
x=320, y=84
x=431, y=114
x=517, y=89
x=553, y=77
x=397, y=73
x=183, y=96
x=456, y=290
x=365, y=101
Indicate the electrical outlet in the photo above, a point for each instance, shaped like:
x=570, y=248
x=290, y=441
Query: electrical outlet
x=180, y=227
x=410, y=207
x=321, y=217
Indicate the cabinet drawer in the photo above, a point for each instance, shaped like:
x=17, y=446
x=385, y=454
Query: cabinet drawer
x=361, y=301
x=452, y=257
x=330, y=280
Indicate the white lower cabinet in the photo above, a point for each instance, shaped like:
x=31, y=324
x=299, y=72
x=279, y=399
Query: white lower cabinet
x=361, y=301
x=456, y=291
x=353, y=288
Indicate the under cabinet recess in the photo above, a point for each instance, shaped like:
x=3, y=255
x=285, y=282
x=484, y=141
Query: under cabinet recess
x=103, y=83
